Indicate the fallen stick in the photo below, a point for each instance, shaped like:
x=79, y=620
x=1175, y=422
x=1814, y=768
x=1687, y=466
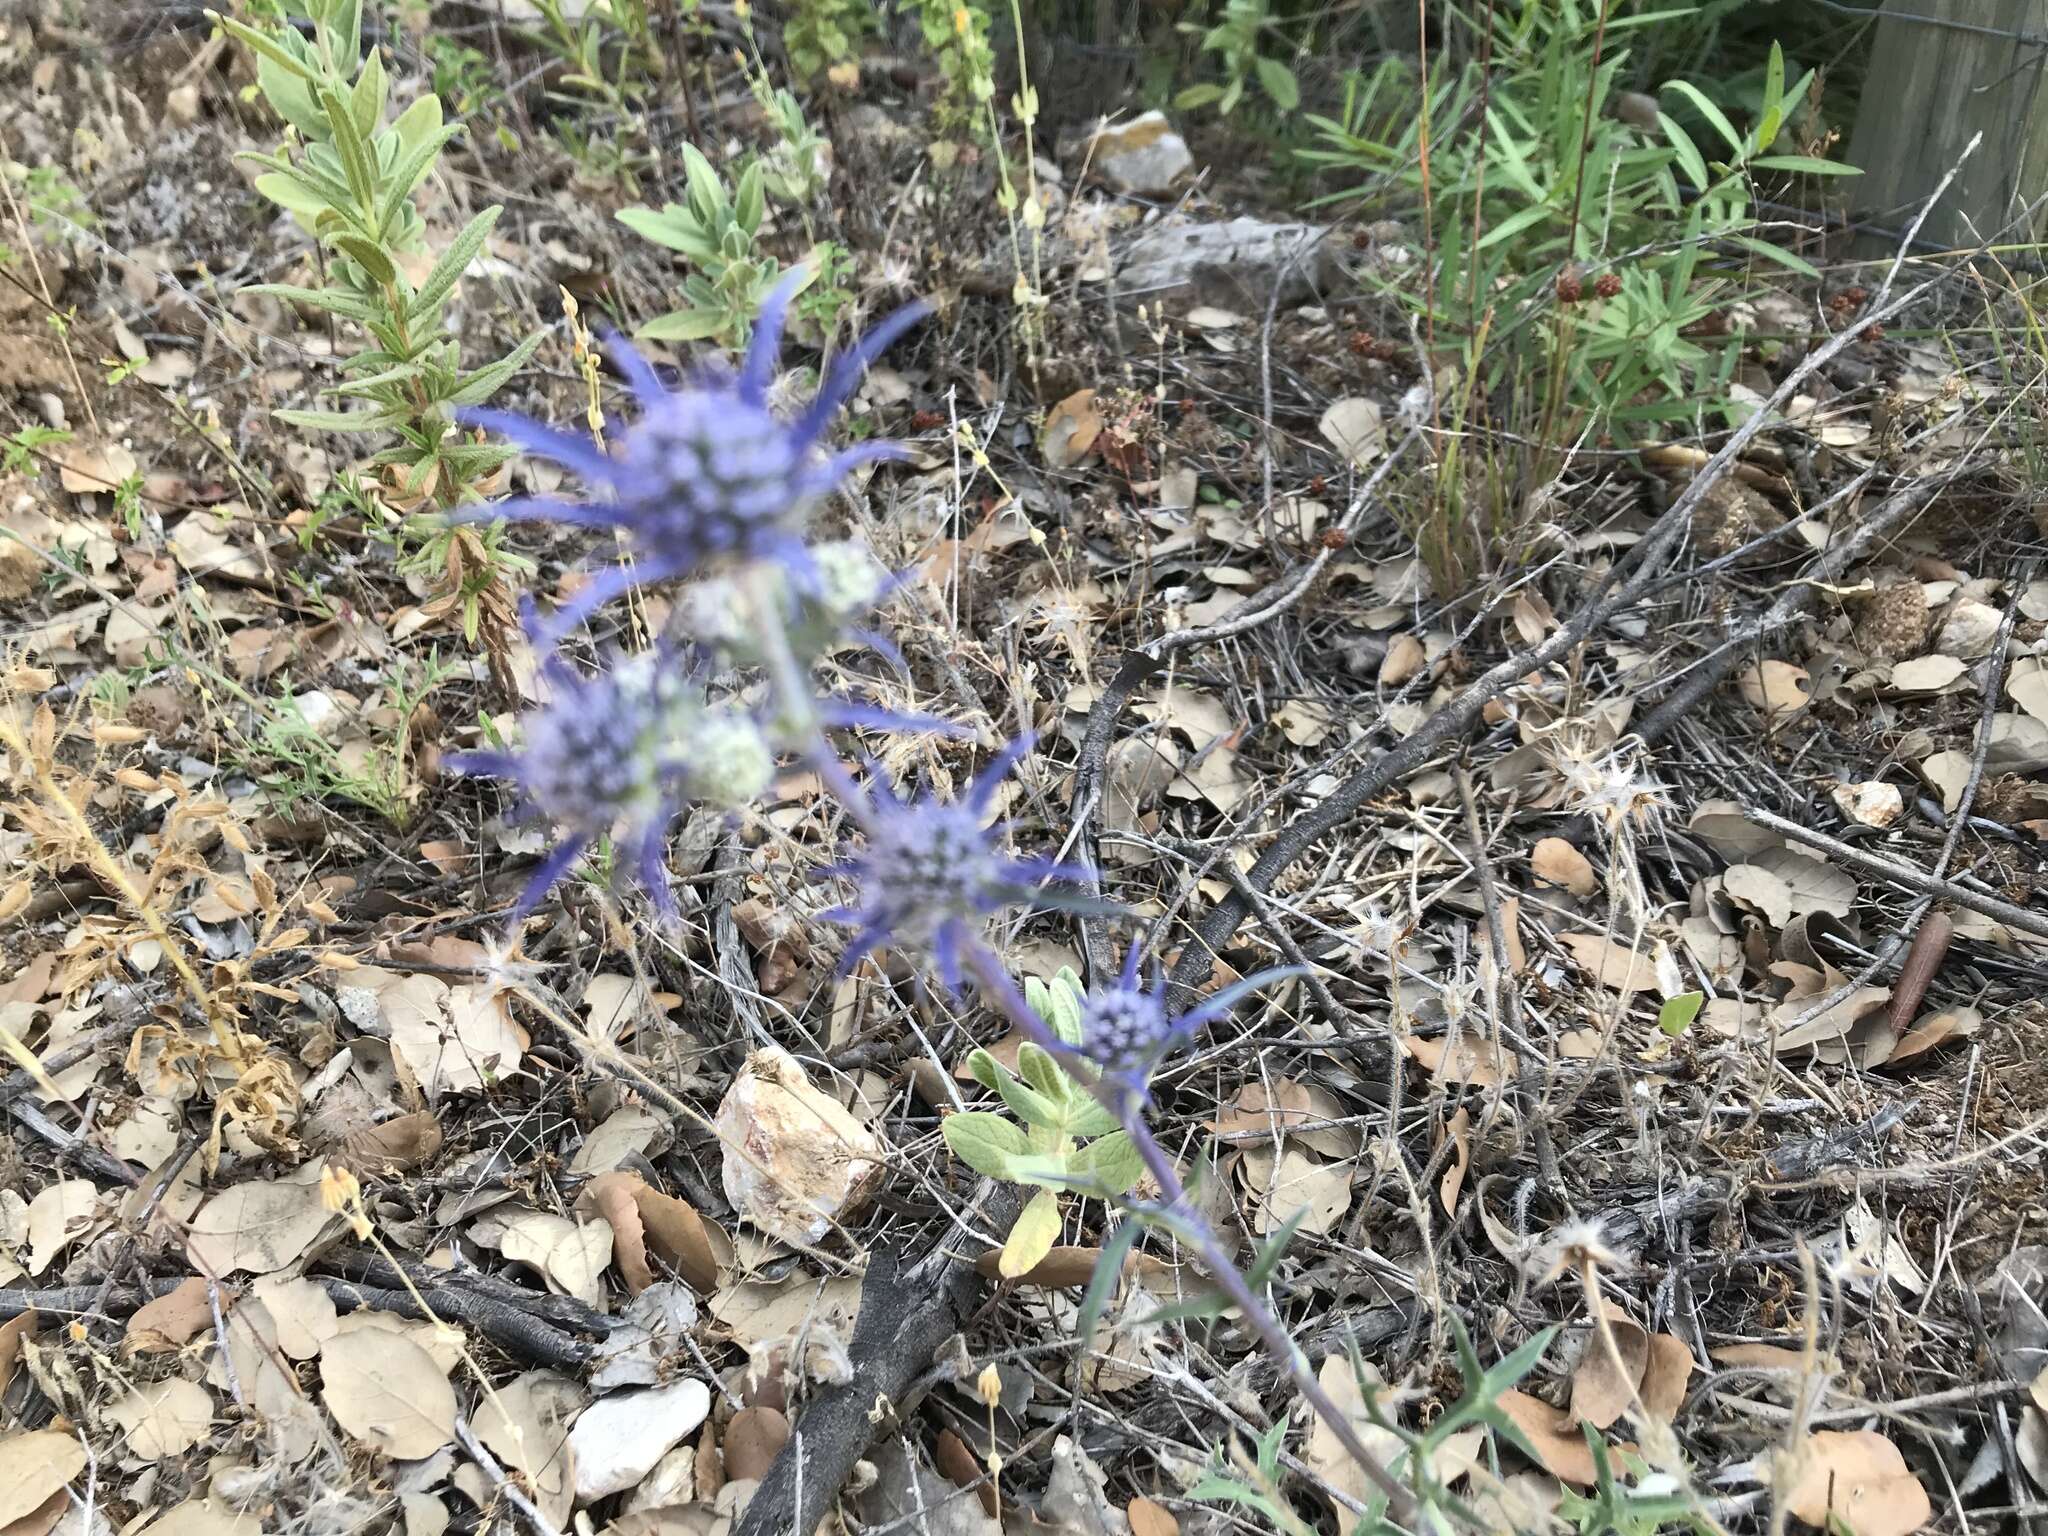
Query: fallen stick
x=1905, y=875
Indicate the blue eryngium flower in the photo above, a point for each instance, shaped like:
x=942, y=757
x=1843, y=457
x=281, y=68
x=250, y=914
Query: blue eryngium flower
x=932, y=874
x=622, y=752
x=1126, y=1030
x=708, y=475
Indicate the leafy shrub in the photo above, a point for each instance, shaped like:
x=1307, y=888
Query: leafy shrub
x=1236, y=42
x=1577, y=236
x=351, y=189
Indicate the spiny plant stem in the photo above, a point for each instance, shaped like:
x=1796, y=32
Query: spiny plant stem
x=1128, y=1106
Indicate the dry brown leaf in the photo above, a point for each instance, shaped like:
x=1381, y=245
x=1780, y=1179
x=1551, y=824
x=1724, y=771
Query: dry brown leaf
x=301, y=1311
x=794, y=1160
x=1933, y=1029
x=681, y=1238
x=753, y=1439
x=1282, y=1109
x=1665, y=1376
x=1556, y=862
x=1067, y=1268
x=570, y=1255
x=12, y=1332
x=1860, y=1478
x=1612, y=964
x=1354, y=427
x=612, y=1197
x=33, y=1467
x=261, y=1225
x=1468, y=1061
x=1764, y=1357
x=525, y=1424
x=1296, y=1182
x=60, y=1215
x=619, y=1438
x=1149, y=1519
x=1405, y=657
x=1460, y=1133
x=1325, y=1454
x=164, y=1418
x=396, y=1145
x=168, y=1321
x=1553, y=1435
x=387, y=1392
x=86, y=467
x=43, y=1519
x=1071, y=430
x=1777, y=688
x=1927, y=674
x=1603, y=1386
x=632, y=1130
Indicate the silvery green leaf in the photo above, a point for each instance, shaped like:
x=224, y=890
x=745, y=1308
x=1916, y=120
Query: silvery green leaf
x=984, y=1142
x=454, y=262
x=477, y=387
x=341, y=421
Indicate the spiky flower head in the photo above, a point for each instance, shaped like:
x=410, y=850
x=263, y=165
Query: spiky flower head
x=709, y=475
x=621, y=752
x=845, y=583
x=931, y=873
x=1127, y=1029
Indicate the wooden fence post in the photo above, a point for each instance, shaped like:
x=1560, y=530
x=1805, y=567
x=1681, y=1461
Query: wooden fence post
x=1941, y=71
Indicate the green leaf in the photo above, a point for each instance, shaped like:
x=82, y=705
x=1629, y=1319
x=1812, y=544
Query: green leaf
x=1677, y=1014
x=1805, y=165
x=292, y=195
x=1688, y=153
x=348, y=144
x=1026, y=1104
x=418, y=122
x=332, y=300
x=1196, y=96
x=1089, y=1116
x=672, y=227
x=707, y=192
x=408, y=173
x=373, y=258
x=264, y=45
x=1279, y=83
x=341, y=421
x=366, y=100
x=477, y=387
x=984, y=1142
x=1064, y=998
x=1709, y=111
x=1112, y=1161
x=1038, y=1069
x=1031, y=1239
x=1513, y=225
x=358, y=388
x=447, y=272
x=683, y=325
x=750, y=202
x=1107, y=1268
x=1777, y=253
x=1773, y=114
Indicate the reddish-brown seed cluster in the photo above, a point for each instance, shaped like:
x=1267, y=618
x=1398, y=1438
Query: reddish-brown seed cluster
x=1607, y=284
x=1361, y=343
x=1873, y=333
x=1847, y=301
x=1570, y=287
x=927, y=421
x=1318, y=486
x=1335, y=538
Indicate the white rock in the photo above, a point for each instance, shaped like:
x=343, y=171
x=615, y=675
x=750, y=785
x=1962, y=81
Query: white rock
x=1970, y=630
x=1144, y=156
x=619, y=1439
